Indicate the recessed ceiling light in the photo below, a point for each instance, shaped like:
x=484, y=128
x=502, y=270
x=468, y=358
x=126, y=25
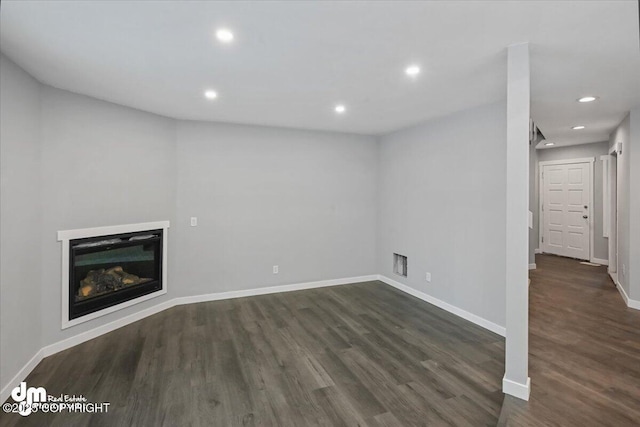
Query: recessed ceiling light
x=578, y=127
x=412, y=70
x=340, y=109
x=210, y=94
x=587, y=99
x=224, y=35
x=548, y=144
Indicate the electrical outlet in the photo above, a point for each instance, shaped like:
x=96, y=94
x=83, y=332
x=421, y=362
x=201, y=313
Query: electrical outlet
x=275, y=269
x=624, y=270
x=428, y=277
x=194, y=221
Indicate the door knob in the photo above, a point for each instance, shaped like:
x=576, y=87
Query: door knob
x=584, y=216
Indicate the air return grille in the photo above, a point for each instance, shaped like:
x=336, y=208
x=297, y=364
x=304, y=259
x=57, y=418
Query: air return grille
x=400, y=265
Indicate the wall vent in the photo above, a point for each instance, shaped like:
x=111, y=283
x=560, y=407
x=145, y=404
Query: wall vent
x=400, y=265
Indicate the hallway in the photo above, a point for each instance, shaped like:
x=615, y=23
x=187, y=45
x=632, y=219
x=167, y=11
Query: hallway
x=584, y=347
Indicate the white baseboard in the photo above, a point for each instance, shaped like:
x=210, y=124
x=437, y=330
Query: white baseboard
x=532, y=266
x=631, y=303
x=500, y=330
x=599, y=261
x=101, y=330
x=272, y=290
x=537, y=251
x=79, y=339
x=519, y=390
x=21, y=375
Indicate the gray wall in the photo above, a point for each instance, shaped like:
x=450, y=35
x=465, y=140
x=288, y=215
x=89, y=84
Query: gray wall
x=103, y=164
x=442, y=203
x=264, y=196
x=304, y=201
x=601, y=244
x=20, y=207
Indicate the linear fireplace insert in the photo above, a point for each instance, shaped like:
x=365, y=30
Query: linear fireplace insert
x=108, y=270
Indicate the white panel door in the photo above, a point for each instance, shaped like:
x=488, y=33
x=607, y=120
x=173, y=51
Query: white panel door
x=565, y=209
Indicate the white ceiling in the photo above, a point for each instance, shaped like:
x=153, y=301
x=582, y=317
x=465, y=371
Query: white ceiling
x=291, y=62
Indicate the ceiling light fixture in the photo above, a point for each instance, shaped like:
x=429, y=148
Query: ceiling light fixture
x=224, y=35
x=548, y=144
x=210, y=94
x=340, y=109
x=578, y=127
x=587, y=99
x=412, y=70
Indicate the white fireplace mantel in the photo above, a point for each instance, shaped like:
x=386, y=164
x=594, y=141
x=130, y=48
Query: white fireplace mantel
x=65, y=236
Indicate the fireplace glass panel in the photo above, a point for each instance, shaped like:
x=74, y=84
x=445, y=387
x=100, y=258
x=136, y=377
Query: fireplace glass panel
x=114, y=269
x=111, y=269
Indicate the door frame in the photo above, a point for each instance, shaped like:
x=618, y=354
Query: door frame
x=541, y=165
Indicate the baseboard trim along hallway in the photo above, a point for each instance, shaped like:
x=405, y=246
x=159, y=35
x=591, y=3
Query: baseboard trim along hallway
x=631, y=303
x=480, y=321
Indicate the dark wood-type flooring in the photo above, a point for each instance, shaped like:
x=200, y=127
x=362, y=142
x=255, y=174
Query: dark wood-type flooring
x=584, y=347
x=363, y=354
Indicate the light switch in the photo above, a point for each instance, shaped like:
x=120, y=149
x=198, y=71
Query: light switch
x=194, y=221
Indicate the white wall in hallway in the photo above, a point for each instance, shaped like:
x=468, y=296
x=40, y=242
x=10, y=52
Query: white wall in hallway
x=533, y=200
x=634, y=205
x=623, y=134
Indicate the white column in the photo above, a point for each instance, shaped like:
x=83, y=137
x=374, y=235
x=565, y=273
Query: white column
x=516, y=380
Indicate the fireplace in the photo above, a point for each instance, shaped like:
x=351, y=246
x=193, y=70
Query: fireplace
x=108, y=268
